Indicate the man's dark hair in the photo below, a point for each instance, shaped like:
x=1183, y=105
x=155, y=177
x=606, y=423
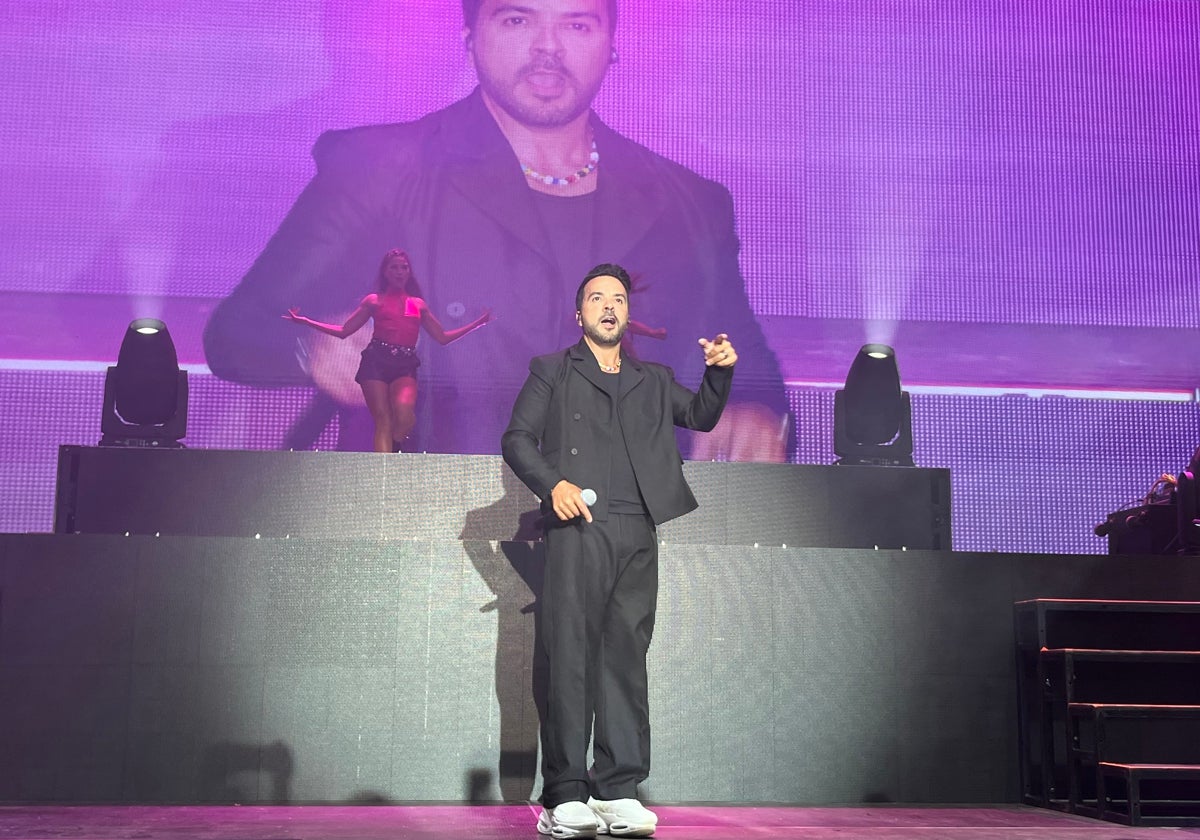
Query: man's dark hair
x=603, y=270
x=471, y=14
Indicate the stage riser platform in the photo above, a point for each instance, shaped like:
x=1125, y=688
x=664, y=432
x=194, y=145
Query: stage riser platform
x=205, y=492
x=219, y=669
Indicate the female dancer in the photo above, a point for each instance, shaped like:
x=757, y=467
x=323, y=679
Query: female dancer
x=388, y=370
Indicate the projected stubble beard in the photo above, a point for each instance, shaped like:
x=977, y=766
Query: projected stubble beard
x=542, y=94
x=544, y=65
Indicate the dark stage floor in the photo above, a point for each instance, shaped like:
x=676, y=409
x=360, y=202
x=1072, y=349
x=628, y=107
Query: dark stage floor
x=703, y=822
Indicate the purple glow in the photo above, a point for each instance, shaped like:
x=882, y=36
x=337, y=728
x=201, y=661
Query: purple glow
x=925, y=162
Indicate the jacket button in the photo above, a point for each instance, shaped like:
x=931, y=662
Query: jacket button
x=578, y=415
x=574, y=451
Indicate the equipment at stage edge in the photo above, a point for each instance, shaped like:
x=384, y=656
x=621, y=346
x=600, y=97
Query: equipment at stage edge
x=145, y=393
x=1166, y=522
x=872, y=416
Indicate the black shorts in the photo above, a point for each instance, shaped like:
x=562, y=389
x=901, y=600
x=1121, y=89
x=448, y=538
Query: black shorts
x=383, y=362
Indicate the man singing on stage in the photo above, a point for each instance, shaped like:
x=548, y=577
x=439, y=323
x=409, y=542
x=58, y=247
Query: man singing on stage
x=592, y=434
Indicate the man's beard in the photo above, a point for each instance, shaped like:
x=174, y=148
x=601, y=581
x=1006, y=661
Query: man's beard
x=592, y=331
x=540, y=114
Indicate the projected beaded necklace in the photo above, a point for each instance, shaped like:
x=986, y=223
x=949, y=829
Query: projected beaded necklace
x=554, y=181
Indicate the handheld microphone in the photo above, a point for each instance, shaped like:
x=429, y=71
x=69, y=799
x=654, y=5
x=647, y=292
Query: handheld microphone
x=589, y=496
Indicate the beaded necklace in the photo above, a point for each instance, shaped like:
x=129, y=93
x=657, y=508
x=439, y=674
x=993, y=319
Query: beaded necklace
x=554, y=181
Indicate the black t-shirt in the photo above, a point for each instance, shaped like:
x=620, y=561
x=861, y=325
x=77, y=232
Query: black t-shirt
x=568, y=222
x=622, y=484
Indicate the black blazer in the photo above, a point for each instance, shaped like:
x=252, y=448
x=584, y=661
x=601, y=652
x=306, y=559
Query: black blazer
x=562, y=426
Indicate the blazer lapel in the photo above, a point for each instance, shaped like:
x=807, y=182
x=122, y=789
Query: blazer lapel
x=628, y=198
x=483, y=168
x=584, y=362
x=632, y=374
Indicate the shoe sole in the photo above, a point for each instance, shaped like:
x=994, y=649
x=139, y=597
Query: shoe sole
x=562, y=832
x=566, y=832
x=626, y=830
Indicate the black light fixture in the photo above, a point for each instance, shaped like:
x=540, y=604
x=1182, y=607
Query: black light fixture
x=145, y=394
x=872, y=416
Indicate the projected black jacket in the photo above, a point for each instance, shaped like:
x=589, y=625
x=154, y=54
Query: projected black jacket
x=449, y=189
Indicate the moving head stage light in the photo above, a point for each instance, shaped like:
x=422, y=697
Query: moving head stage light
x=872, y=417
x=145, y=394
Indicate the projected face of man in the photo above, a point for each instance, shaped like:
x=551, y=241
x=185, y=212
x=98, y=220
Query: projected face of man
x=541, y=61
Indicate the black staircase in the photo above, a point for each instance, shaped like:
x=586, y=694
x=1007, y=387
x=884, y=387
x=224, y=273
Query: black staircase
x=1109, y=695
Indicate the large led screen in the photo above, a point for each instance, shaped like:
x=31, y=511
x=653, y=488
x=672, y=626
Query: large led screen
x=1007, y=192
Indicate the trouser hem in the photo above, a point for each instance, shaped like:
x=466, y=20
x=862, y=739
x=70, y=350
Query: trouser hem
x=566, y=792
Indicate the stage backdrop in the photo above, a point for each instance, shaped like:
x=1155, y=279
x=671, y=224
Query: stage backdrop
x=1007, y=191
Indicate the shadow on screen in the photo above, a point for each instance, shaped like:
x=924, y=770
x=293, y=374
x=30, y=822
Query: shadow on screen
x=514, y=571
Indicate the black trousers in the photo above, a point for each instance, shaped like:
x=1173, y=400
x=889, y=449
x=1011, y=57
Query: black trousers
x=598, y=605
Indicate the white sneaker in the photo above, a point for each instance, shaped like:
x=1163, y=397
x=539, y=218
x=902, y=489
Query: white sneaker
x=570, y=819
x=623, y=817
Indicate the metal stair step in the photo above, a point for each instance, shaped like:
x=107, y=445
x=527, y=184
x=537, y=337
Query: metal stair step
x=1079, y=623
x=1149, y=794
